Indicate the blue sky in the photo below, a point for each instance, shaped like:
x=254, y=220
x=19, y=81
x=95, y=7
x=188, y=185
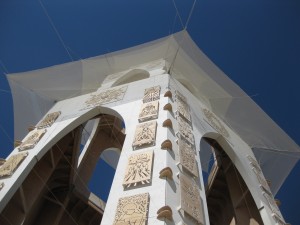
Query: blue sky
x=255, y=42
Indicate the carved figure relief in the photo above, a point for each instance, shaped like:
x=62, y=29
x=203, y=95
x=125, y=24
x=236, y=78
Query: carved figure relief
x=9, y=167
x=31, y=141
x=132, y=210
x=48, y=120
x=180, y=96
x=215, y=122
x=145, y=134
x=1, y=185
x=139, y=169
x=183, y=109
x=104, y=97
x=149, y=111
x=187, y=158
x=185, y=130
x=151, y=94
x=190, y=198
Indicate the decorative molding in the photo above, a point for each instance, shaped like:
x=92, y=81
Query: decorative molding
x=168, y=123
x=1, y=185
x=185, y=130
x=10, y=166
x=166, y=145
x=183, y=109
x=187, y=158
x=168, y=94
x=165, y=212
x=214, y=121
x=49, y=120
x=105, y=97
x=139, y=169
x=32, y=140
x=151, y=94
x=145, y=134
x=190, y=198
x=168, y=107
x=166, y=173
x=149, y=111
x=132, y=210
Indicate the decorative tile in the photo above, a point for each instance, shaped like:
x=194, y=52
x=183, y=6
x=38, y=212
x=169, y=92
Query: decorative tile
x=183, y=109
x=132, y=210
x=9, y=167
x=185, y=130
x=48, y=120
x=190, y=198
x=149, y=111
x=145, y=134
x=151, y=94
x=31, y=141
x=139, y=169
x=187, y=158
x=214, y=121
x=105, y=97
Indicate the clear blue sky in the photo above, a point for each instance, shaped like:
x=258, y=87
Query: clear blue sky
x=255, y=42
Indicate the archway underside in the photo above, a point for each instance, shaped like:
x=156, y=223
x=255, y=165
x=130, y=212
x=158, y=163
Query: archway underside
x=54, y=192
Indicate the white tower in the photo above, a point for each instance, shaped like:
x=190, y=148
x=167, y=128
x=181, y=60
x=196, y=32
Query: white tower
x=188, y=145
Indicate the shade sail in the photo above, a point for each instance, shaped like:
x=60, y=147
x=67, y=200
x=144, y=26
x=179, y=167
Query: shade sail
x=34, y=93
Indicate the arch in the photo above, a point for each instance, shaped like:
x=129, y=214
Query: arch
x=131, y=76
x=226, y=177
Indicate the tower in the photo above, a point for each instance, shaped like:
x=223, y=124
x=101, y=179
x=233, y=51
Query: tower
x=162, y=113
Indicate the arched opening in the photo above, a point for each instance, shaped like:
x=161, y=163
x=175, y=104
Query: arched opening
x=56, y=189
x=229, y=200
x=132, y=76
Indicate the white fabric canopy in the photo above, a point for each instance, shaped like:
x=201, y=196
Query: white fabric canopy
x=34, y=93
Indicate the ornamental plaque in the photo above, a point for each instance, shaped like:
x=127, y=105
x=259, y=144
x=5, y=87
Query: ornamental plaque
x=139, y=169
x=31, y=141
x=151, y=94
x=145, y=134
x=180, y=96
x=149, y=111
x=214, y=121
x=132, y=210
x=190, y=198
x=185, y=130
x=187, y=157
x=48, y=120
x=183, y=109
x=105, y=97
x=9, y=167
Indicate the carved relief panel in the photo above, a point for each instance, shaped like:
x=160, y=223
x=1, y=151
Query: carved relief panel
x=180, y=96
x=183, y=109
x=48, y=120
x=149, y=111
x=31, y=141
x=185, y=130
x=190, y=198
x=9, y=167
x=145, y=134
x=105, y=97
x=187, y=157
x=151, y=94
x=213, y=120
x=139, y=169
x=132, y=210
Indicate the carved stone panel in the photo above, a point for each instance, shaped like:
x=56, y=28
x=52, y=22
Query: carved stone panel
x=31, y=141
x=139, y=169
x=180, y=96
x=271, y=203
x=185, y=130
x=132, y=210
x=190, y=198
x=149, y=111
x=187, y=157
x=48, y=120
x=151, y=94
x=9, y=167
x=215, y=122
x=183, y=109
x=261, y=180
x=145, y=134
x=1, y=185
x=253, y=162
x=105, y=97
